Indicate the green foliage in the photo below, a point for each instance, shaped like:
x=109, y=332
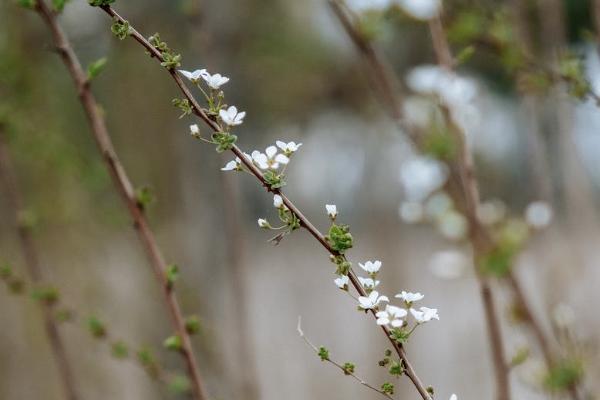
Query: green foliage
x=49, y=295
x=192, y=324
x=564, y=375
x=399, y=335
x=96, y=327
x=148, y=361
x=274, y=180
x=64, y=315
x=348, y=368
x=27, y=3
x=184, y=105
x=95, y=68
x=171, y=61
x=430, y=390
x=120, y=29
x=510, y=239
x=343, y=265
x=467, y=26
x=173, y=343
x=396, y=368
x=5, y=272
x=465, y=55
x=387, y=388
x=323, y=353
x=100, y=3
x=572, y=71
x=119, y=350
x=224, y=141
x=179, y=384
x=172, y=274
x=59, y=5
x=144, y=196
x=499, y=261
x=339, y=238
x=440, y=144
x=520, y=357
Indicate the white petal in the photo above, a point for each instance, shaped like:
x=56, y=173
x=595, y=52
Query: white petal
x=281, y=145
x=280, y=158
x=271, y=151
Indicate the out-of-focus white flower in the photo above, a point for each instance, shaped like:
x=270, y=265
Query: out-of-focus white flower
x=421, y=176
x=453, y=225
x=342, y=282
x=194, y=130
x=449, y=264
x=215, y=81
x=563, y=315
x=371, y=267
x=425, y=314
x=437, y=205
x=491, y=212
x=194, y=76
x=233, y=165
x=263, y=223
x=538, y=214
x=391, y=316
x=231, y=116
x=331, y=210
x=288, y=148
x=409, y=297
x=368, y=283
x=421, y=9
x=360, y=6
x=278, y=201
x=372, y=300
x=454, y=397
x=411, y=212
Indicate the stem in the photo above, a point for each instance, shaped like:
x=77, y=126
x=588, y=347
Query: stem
x=125, y=188
x=34, y=268
x=305, y=223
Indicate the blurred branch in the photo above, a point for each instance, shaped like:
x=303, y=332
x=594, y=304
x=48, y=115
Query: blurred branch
x=32, y=263
x=305, y=223
x=125, y=188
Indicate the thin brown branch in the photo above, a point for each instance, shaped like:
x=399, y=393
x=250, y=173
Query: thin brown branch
x=305, y=222
x=124, y=186
x=33, y=266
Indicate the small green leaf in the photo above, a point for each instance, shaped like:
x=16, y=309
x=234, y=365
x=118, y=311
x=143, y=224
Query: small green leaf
x=96, y=327
x=173, y=343
x=59, y=5
x=120, y=29
x=564, y=375
x=27, y=3
x=96, y=67
x=339, y=238
x=323, y=353
x=49, y=295
x=144, y=196
x=179, y=384
x=172, y=275
x=387, y=388
x=396, y=368
x=348, y=368
x=100, y=3
x=465, y=55
x=192, y=325
x=119, y=350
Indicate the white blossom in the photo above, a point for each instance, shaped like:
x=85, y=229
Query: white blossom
x=342, y=282
x=421, y=9
x=215, y=81
x=231, y=116
x=421, y=176
x=411, y=212
x=278, y=201
x=288, y=148
x=371, y=301
x=409, y=297
x=263, y=223
x=331, y=210
x=194, y=130
x=371, y=267
x=194, y=76
x=453, y=397
x=270, y=159
x=232, y=165
x=391, y=316
x=538, y=214
x=368, y=283
x=425, y=314
x=453, y=225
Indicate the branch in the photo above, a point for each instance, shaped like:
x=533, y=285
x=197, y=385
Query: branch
x=125, y=188
x=33, y=266
x=305, y=222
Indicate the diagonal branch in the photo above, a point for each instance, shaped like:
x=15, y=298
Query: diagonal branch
x=125, y=188
x=33, y=266
x=305, y=222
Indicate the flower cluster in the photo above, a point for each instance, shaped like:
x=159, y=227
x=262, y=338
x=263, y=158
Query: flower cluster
x=286, y=216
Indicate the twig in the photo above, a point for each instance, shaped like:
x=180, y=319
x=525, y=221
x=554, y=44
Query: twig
x=336, y=364
x=305, y=223
x=33, y=266
x=125, y=188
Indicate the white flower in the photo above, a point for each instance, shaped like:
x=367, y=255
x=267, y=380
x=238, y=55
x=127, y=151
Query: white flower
x=368, y=283
x=231, y=116
x=421, y=176
x=263, y=223
x=270, y=160
x=232, y=165
x=194, y=130
x=215, y=81
x=371, y=301
x=342, y=282
x=391, y=316
x=371, y=267
x=368, y=5
x=421, y=9
x=453, y=397
x=331, y=210
x=288, y=148
x=411, y=212
x=538, y=214
x=453, y=225
x=277, y=201
x=425, y=315
x=194, y=76
x=409, y=297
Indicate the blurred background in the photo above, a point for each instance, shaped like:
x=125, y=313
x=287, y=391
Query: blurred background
x=296, y=73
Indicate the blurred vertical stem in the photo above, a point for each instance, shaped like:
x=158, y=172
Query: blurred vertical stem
x=253, y=169
x=32, y=264
x=233, y=230
x=125, y=188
